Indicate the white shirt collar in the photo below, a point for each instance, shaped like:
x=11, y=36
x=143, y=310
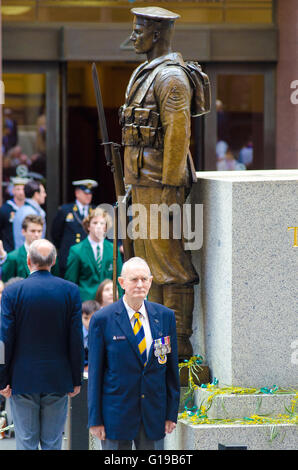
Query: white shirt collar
x=131, y=311
x=81, y=207
x=94, y=244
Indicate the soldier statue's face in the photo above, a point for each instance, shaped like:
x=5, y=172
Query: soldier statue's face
x=144, y=36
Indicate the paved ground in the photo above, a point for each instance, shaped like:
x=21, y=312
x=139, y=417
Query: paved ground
x=7, y=444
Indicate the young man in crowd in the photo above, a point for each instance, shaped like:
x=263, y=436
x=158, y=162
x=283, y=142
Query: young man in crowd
x=91, y=261
x=16, y=261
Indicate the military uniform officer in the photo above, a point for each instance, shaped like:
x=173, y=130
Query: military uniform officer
x=67, y=228
x=8, y=210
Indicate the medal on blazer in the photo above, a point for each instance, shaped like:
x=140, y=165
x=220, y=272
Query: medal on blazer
x=69, y=217
x=162, y=347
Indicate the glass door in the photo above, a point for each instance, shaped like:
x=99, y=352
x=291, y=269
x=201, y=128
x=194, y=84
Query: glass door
x=241, y=126
x=31, y=134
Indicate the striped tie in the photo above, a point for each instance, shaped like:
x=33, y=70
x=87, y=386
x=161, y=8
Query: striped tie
x=98, y=257
x=140, y=335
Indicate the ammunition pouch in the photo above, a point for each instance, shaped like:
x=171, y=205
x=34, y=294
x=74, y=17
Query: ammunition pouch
x=140, y=127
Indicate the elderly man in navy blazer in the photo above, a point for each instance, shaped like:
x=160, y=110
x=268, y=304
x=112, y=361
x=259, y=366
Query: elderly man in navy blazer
x=41, y=329
x=133, y=383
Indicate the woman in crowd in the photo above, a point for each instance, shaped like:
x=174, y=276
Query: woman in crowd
x=104, y=293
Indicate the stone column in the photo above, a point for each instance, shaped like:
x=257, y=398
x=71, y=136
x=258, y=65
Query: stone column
x=249, y=271
x=287, y=76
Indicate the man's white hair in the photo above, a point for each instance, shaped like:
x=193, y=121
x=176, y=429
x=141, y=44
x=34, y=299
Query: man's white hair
x=39, y=259
x=135, y=261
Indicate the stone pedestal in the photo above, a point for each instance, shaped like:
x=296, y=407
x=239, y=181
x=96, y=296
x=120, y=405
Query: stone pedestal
x=249, y=269
x=246, y=306
x=253, y=437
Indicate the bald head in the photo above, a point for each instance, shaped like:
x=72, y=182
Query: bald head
x=134, y=263
x=136, y=281
x=41, y=255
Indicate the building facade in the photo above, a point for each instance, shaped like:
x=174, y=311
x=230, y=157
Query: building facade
x=248, y=49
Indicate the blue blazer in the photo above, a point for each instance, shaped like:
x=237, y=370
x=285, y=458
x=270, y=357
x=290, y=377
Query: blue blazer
x=41, y=327
x=121, y=391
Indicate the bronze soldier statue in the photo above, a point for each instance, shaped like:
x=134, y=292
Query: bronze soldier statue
x=156, y=128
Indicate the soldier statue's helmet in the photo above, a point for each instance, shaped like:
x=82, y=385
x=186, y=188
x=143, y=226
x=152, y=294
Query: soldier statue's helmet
x=85, y=185
x=155, y=14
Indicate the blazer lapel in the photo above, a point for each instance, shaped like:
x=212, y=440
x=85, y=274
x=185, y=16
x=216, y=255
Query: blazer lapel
x=106, y=256
x=23, y=258
x=125, y=325
x=89, y=253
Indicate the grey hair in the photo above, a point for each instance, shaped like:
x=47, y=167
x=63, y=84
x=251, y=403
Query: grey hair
x=134, y=261
x=38, y=259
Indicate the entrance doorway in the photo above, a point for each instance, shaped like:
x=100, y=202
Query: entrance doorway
x=31, y=127
x=239, y=132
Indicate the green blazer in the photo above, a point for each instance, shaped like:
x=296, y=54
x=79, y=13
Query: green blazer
x=16, y=265
x=82, y=268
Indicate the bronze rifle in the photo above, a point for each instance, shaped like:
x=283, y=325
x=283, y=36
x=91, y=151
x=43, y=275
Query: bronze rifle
x=113, y=158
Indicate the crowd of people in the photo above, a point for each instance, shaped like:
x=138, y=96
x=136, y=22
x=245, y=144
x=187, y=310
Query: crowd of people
x=85, y=256
x=79, y=226
x=59, y=318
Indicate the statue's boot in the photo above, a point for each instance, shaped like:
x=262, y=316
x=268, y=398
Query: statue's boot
x=179, y=298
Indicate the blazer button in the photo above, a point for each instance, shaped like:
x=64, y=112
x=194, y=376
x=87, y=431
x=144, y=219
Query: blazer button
x=143, y=396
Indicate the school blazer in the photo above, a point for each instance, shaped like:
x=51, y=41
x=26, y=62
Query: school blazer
x=83, y=270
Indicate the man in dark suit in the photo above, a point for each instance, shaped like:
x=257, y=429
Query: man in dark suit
x=133, y=379
x=67, y=227
x=41, y=328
